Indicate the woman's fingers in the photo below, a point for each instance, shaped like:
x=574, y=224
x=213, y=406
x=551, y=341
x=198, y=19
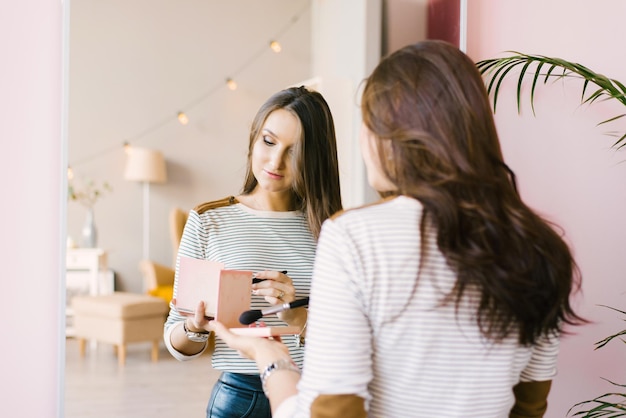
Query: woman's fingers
x=254, y=348
x=199, y=319
x=276, y=286
x=242, y=344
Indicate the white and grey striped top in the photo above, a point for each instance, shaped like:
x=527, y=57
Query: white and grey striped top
x=376, y=328
x=247, y=239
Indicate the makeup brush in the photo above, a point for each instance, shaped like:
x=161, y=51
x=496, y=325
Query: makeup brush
x=253, y=315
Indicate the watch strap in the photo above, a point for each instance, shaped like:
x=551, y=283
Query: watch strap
x=197, y=337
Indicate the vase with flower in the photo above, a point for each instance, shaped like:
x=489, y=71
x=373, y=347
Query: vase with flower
x=87, y=194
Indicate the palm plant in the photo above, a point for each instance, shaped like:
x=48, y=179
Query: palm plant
x=596, y=86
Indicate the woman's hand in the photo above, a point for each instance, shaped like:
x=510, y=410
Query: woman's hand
x=278, y=288
x=262, y=350
x=197, y=322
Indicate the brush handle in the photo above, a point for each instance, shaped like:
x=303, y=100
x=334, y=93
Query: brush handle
x=290, y=305
x=257, y=280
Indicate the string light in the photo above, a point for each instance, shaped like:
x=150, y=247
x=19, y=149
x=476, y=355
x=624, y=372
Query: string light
x=182, y=118
x=70, y=173
x=232, y=84
x=275, y=46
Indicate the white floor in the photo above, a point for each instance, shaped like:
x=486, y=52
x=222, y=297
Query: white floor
x=95, y=386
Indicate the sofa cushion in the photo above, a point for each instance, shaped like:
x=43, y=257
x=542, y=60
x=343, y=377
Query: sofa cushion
x=120, y=305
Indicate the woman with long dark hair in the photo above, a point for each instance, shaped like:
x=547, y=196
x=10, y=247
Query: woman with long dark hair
x=447, y=297
x=291, y=187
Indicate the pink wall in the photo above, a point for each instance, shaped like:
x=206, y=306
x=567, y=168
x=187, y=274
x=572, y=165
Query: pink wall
x=565, y=166
x=31, y=178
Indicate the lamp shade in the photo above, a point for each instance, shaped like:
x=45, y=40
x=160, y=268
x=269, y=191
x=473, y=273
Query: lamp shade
x=145, y=165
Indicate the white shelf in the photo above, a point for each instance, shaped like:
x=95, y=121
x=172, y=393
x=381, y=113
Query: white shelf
x=86, y=274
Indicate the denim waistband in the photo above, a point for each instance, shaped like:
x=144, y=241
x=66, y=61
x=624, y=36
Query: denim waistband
x=242, y=381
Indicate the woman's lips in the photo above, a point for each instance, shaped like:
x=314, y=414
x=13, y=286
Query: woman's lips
x=273, y=175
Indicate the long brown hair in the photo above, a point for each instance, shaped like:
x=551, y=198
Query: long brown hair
x=316, y=185
x=428, y=106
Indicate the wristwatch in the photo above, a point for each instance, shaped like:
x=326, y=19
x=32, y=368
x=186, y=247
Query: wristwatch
x=196, y=337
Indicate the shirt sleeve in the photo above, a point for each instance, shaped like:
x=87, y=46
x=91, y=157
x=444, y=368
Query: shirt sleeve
x=543, y=360
x=190, y=247
x=338, y=355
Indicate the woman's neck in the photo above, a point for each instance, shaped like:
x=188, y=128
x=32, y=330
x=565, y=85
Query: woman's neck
x=273, y=202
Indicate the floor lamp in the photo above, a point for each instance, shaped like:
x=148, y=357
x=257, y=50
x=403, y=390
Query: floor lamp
x=145, y=166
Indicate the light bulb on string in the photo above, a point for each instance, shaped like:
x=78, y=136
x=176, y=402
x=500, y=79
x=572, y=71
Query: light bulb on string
x=70, y=173
x=275, y=45
x=182, y=118
x=231, y=84
x=127, y=148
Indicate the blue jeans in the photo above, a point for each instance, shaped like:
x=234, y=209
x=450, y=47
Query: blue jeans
x=237, y=395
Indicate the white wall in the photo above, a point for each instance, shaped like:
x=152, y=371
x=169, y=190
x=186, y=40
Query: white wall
x=342, y=59
x=565, y=166
x=32, y=222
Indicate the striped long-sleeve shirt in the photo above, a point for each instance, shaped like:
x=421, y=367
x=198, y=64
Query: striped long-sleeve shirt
x=377, y=329
x=246, y=239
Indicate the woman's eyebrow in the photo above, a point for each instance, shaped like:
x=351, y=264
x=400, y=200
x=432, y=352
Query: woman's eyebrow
x=270, y=132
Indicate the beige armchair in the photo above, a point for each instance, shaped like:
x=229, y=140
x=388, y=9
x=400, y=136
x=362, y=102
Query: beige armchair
x=158, y=278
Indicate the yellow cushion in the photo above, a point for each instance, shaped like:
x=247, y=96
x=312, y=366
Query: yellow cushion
x=164, y=292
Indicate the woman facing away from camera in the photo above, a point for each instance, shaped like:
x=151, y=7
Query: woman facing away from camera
x=447, y=297
x=291, y=187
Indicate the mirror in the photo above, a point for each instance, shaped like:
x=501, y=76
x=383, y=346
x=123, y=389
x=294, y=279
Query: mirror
x=133, y=67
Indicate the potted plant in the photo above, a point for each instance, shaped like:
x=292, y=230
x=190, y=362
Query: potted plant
x=541, y=69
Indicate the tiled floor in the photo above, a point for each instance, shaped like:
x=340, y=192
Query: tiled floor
x=96, y=387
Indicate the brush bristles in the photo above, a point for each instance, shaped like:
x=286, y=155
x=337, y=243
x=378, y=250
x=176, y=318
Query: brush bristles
x=248, y=317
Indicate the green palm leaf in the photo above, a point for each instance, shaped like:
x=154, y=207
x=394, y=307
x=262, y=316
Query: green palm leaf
x=607, y=405
x=605, y=341
x=497, y=69
x=610, y=404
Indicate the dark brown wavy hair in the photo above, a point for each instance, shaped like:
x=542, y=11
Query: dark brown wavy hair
x=428, y=106
x=316, y=189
